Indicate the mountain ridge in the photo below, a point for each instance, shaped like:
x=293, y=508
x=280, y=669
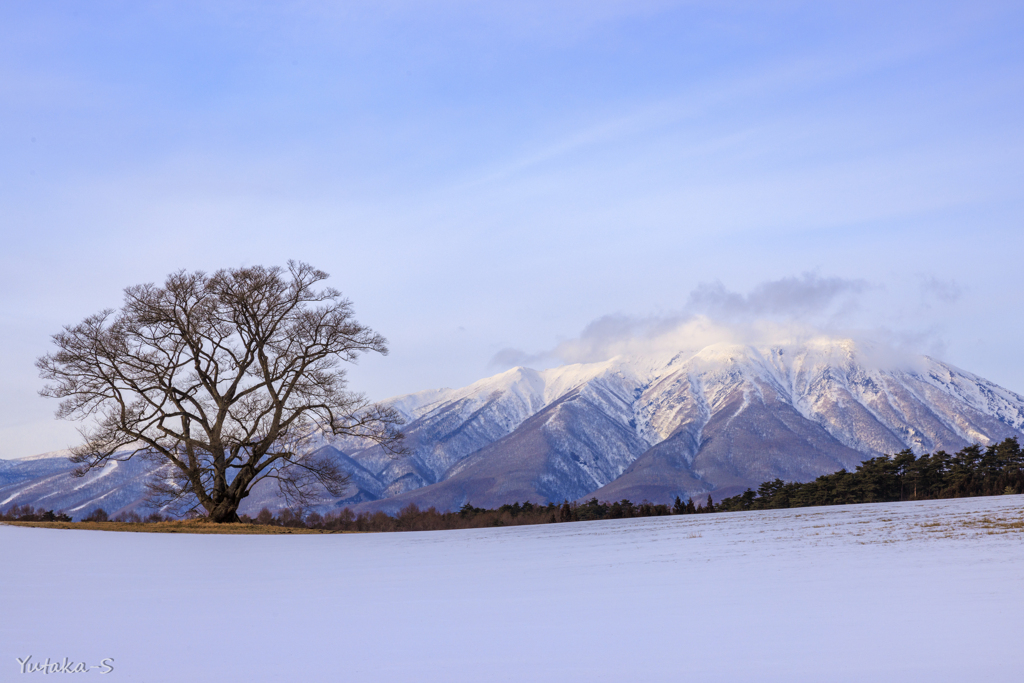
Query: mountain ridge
x=690, y=423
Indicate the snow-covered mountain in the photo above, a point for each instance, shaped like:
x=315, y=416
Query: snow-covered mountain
x=714, y=420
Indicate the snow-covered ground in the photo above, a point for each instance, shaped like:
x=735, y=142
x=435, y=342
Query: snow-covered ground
x=891, y=592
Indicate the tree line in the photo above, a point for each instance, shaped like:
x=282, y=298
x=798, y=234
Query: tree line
x=26, y=513
x=412, y=518
x=971, y=471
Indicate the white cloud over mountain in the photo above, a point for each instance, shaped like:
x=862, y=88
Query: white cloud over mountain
x=789, y=310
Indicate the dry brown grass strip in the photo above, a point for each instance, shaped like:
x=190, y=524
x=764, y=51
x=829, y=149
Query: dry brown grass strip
x=1005, y=524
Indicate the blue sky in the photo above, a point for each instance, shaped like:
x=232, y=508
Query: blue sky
x=488, y=179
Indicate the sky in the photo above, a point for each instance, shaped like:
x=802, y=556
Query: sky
x=495, y=182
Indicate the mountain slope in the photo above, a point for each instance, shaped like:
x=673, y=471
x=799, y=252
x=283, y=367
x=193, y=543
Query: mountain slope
x=571, y=447
x=47, y=482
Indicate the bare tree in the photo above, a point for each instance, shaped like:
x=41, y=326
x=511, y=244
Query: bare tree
x=226, y=379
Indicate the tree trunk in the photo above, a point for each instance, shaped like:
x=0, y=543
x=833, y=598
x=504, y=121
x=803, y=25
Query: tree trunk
x=225, y=513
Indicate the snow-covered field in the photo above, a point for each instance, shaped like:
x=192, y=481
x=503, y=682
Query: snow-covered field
x=891, y=592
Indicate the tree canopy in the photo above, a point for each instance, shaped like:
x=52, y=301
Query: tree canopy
x=226, y=379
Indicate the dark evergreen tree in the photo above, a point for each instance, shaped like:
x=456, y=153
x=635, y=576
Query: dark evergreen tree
x=566, y=512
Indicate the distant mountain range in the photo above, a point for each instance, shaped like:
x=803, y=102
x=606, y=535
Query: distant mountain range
x=716, y=421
